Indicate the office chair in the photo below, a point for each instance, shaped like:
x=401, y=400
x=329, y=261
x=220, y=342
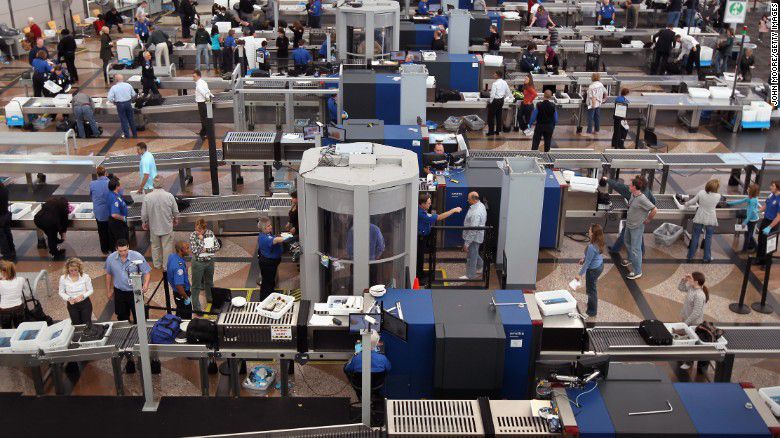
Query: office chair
x=377, y=387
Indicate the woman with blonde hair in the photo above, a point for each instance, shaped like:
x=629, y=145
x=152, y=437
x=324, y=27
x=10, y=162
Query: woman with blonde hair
x=203, y=245
x=75, y=289
x=592, y=266
x=11, y=296
x=106, y=52
x=705, y=220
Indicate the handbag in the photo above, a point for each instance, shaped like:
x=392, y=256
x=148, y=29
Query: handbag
x=35, y=313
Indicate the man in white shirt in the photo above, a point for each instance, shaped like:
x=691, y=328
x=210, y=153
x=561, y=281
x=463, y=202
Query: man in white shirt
x=498, y=92
x=472, y=239
x=597, y=93
x=687, y=43
x=202, y=95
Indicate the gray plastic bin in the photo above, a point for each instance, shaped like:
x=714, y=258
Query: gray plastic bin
x=667, y=234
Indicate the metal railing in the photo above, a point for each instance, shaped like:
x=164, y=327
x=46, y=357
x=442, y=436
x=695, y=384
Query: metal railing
x=485, y=251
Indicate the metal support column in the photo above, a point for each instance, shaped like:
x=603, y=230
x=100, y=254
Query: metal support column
x=37, y=377
x=365, y=382
x=150, y=404
x=284, y=377
x=724, y=368
x=116, y=368
x=212, y=148
x=203, y=363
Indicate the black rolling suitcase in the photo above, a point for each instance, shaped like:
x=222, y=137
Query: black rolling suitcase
x=654, y=332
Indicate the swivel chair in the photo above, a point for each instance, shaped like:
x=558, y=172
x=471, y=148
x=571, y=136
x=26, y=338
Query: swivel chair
x=377, y=389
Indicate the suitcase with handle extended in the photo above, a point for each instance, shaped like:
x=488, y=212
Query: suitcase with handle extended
x=654, y=332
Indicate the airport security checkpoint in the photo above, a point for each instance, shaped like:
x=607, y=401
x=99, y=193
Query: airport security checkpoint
x=374, y=218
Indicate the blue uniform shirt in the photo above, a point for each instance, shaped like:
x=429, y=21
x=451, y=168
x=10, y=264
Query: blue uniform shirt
x=177, y=272
x=323, y=49
x=333, y=110
x=141, y=29
x=771, y=207
x=147, y=165
x=376, y=242
x=424, y=221
x=98, y=192
x=120, y=270
x=440, y=20
x=41, y=66
x=117, y=205
x=267, y=248
x=265, y=54
x=230, y=41
x=316, y=8
x=379, y=363
x=422, y=8
x=301, y=56
x=607, y=13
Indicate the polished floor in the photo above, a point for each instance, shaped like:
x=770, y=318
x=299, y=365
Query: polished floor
x=620, y=300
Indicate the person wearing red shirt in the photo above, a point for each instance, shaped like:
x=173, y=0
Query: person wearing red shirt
x=527, y=107
x=34, y=28
x=98, y=24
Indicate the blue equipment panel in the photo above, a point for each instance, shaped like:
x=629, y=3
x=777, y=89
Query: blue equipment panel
x=388, y=99
x=718, y=410
x=518, y=328
x=593, y=419
x=551, y=211
x=406, y=137
x=412, y=361
x=464, y=72
x=457, y=196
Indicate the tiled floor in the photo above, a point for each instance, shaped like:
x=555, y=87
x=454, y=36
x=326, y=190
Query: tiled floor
x=659, y=297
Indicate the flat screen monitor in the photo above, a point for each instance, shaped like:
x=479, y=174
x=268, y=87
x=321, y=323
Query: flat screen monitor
x=399, y=56
x=364, y=321
x=416, y=56
x=458, y=158
x=310, y=132
x=394, y=325
x=436, y=161
x=338, y=134
x=771, y=243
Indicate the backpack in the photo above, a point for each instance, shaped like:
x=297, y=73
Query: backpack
x=165, y=329
x=707, y=332
x=202, y=331
x=654, y=332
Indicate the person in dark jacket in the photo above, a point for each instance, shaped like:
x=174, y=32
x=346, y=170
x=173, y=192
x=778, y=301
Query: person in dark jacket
x=52, y=220
x=282, y=50
x=297, y=30
x=106, y=52
x=202, y=42
x=113, y=18
x=664, y=41
x=493, y=40
x=41, y=70
x=692, y=7
x=723, y=51
x=66, y=52
x=148, y=78
x=746, y=65
x=59, y=78
x=438, y=43
x=187, y=16
x=39, y=47
x=7, y=247
x=545, y=116
x=673, y=12
x=528, y=61
x=246, y=9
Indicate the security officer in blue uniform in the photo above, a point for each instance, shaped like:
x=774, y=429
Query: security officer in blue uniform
x=301, y=58
x=117, y=220
x=263, y=57
x=769, y=224
x=333, y=110
x=379, y=362
x=179, y=281
x=424, y=222
x=269, y=255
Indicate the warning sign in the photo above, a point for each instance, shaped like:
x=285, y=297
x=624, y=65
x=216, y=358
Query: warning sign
x=736, y=11
x=281, y=333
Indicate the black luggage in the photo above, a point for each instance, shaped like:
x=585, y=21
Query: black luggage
x=654, y=332
x=446, y=95
x=202, y=331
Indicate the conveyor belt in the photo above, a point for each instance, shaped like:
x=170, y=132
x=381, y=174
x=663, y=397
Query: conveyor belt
x=629, y=156
x=267, y=203
x=260, y=137
x=756, y=339
x=132, y=337
x=159, y=157
x=118, y=336
x=487, y=155
x=601, y=339
x=618, y=202
x=211, y=205
x=703, y=159
x=575, y=156
x=665, y=203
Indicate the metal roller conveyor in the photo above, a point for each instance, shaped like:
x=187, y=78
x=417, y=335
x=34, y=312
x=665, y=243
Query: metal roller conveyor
x=499, y=155
x=625, y=343
x=693, y=160
x=618, y=159
x=576, y=159
x=756, y=341
x=212, y=208
x=164, y=160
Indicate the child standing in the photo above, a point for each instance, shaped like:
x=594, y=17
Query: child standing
x=592, y=266
x=751, y=215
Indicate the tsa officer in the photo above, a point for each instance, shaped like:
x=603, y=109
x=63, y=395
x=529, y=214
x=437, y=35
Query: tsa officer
x=770, y=222
x=117, y=220
x=424, y=222
x=179, y=281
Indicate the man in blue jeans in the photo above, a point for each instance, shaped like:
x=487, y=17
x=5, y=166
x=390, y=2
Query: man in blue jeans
x=675, y=10
x=640, y=212
x=624, y=191
x=122, y=94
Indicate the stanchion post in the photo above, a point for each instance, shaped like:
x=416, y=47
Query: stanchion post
x=740, y=307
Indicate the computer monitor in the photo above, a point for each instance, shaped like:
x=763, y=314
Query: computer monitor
x=416, y=56
x=399, y=56
x=458, y=158
x=364, y=321
x=436, y=161
x=338, y=134
x=311, y=131
x=394, y=325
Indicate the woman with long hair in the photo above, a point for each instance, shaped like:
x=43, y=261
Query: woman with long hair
x=75, y=289
x=592, y=265
x=692, y=313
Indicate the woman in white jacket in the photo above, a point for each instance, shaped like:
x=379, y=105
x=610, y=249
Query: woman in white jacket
x=75, y=289
x=705, y=220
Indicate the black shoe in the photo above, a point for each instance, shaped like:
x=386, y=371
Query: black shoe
x=489, y=134
x=156, y=366
x=130, y=367
x=59, y=255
